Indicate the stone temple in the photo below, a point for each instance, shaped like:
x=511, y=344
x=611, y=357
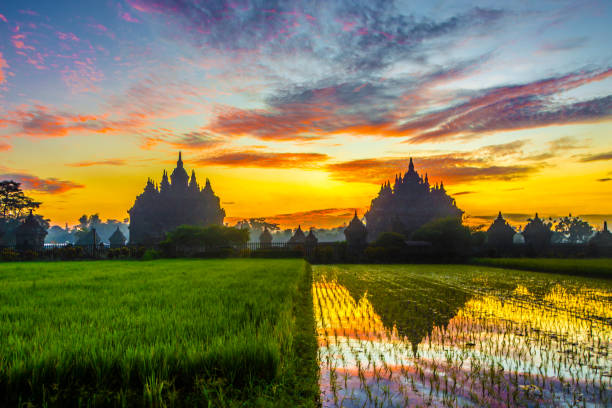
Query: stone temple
x=411, y=203
x=175, y=202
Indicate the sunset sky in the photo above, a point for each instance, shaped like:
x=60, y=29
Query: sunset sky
x=298, y=110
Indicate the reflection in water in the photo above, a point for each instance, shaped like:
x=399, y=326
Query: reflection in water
x=499, y=351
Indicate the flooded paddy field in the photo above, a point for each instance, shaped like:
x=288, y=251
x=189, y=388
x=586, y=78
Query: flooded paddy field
x=459, y=335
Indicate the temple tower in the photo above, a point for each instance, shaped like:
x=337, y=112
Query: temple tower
x=179, y=177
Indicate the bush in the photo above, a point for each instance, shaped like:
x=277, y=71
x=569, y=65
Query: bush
x=448, y=236
x=151, y=254
x=8, y=254
x=324, y=255
x=391, y=240
x=388, y=247
x=29, y=255
x=189, y=240
x=70, y=252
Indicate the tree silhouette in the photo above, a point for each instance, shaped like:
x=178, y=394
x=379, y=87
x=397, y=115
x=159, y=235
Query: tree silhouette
x=574, y=229
x=14, y=204
x=14, y=207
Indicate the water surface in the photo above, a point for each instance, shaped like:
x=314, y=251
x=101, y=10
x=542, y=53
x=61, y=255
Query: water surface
x=480, y=343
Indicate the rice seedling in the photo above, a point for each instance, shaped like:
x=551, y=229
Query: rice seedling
x=160, y=333
x=595, y=267
x=461, y=336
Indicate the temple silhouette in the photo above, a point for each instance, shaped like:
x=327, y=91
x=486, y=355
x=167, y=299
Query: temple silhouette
x=175, y=202
x=411, y=203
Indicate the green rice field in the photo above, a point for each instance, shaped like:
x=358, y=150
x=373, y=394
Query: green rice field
x=461, y=335
x=255, y=332
x=595, y=267
x=233, y=332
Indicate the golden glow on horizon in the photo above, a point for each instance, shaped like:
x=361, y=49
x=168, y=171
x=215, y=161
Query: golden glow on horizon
x=557, y=186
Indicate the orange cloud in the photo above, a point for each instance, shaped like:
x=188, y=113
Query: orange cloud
x=108, y=162
x=192, y=140
x=41, y=122
x=264, y=159
x=321, y=218
x=290, y=124
x=35, y=183
x=451, y=168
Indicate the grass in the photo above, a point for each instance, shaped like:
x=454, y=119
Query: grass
x=599, y=267
x=462, y=335
x=161, y=333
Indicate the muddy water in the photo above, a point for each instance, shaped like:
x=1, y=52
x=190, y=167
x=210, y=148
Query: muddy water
x=516, y=349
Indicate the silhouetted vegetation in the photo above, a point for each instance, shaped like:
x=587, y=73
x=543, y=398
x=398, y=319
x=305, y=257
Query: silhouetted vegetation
x=448, y=236
x=573, y=229
x=14, y=208
x=190, y=240
x=389, y=247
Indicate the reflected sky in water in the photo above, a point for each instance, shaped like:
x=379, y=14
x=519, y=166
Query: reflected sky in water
x=505, y=348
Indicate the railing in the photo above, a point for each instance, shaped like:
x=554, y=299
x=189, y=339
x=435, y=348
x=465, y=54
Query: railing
x=249, y=249
x=69, y=252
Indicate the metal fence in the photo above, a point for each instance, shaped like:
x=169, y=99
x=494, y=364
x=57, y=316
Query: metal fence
x=101, y=251
x=69, y=252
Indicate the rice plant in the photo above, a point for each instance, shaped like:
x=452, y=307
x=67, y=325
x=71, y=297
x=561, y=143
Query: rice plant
x=461, y=336
x=161, y=333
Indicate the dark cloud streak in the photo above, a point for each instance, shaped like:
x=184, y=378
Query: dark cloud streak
x=597, y=157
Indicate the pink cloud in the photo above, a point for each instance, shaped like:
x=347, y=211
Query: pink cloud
x=40, y=122
x=511, y=107
x=3, y=18
x=145, y=6
x=67, y=36
x=102, y=29
x=128, y=17
x=82, y=76
x=29, y=12
x=3, y=65
x=99, y=27
x=18, y=42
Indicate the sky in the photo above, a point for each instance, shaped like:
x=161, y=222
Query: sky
x=298, y=110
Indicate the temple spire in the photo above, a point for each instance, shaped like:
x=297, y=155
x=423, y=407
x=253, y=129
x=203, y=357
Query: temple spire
x=179, y=162
x=165, y=184
x=410, y=166
x=207, y=186
x=193, y=184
